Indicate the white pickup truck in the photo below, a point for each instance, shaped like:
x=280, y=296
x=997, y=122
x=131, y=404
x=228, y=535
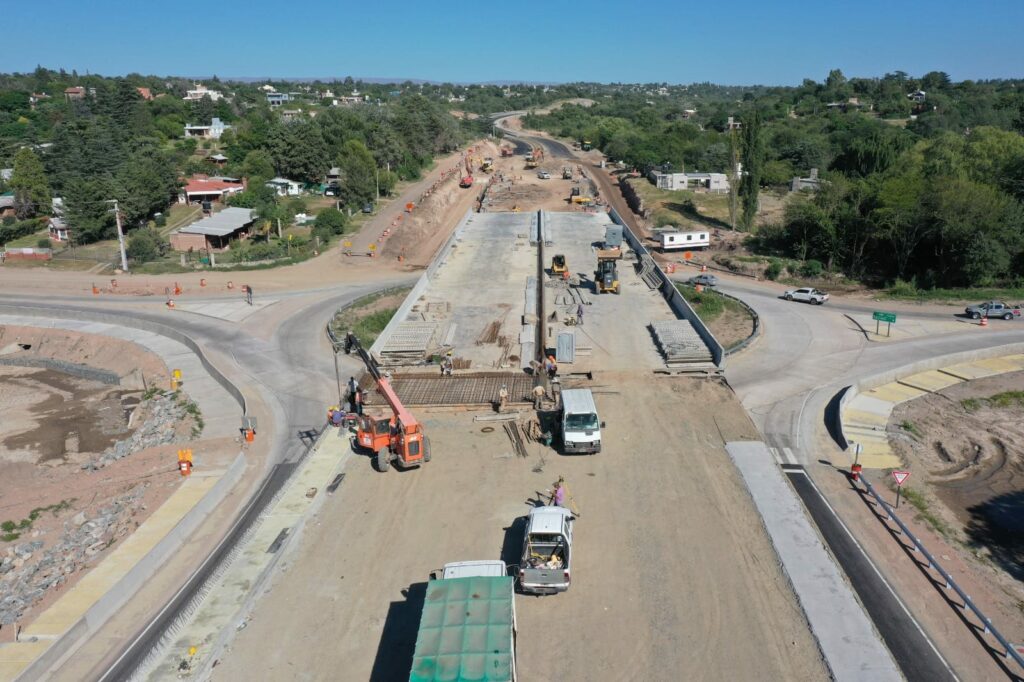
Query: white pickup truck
x=547, y=551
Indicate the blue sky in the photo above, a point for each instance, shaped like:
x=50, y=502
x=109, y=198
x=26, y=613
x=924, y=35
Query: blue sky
x=733, y=42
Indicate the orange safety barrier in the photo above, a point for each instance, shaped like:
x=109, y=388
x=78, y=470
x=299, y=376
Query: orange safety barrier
x=95, y=290
x=250, y=435
x=231, y=285
x=984, y=321
x=177, y=289
x=202, y=282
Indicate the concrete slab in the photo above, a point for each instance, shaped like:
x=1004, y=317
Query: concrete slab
x=16, y=656
x=931, y=380
x=244, y=577
x=853, y=417
x=979, y=369
x=867, y=403
x=895, y=392
x=849, y=642
x=233, y=311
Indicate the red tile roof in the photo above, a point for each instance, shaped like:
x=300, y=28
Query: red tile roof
x=202, y=184
x=145, y=92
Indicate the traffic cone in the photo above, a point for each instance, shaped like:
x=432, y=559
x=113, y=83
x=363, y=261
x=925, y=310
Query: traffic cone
x=984, y=321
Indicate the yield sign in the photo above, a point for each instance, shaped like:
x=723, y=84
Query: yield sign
x=900, y=476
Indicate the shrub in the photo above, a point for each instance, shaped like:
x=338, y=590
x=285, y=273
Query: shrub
x=811, y=268
x=160, y=220
x=330, y=221
x=145, y=245
x=43, y=242
x=773, y=270
x=903, y=288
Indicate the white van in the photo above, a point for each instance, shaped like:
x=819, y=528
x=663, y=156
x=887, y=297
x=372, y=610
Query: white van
x=581, y=427
x=674, y=241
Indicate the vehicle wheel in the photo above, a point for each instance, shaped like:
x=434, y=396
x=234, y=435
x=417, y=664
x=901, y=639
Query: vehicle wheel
x=1008, y=316
x=426, y=449
x=789, y=297
x=975, y=316
x=383, y=460
x=818, y=301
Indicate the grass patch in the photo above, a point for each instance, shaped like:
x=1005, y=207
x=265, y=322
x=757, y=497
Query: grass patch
x=192, y=409
x=709, y=304
x=1002, y=400
x=367, y=317
x=12, y=530
x=683, y=208
x=902, y=290
x=910, y=428
x=920, y=503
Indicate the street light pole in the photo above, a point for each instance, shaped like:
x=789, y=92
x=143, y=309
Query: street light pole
x=120, y=236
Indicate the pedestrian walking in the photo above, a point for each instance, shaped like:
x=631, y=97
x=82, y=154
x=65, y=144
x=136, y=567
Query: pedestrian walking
x=248, y=294
x=579, y=315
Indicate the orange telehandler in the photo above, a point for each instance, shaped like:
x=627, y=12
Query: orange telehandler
x=393, y=438
x=467, y=179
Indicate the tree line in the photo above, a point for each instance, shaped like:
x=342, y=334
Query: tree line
x=922, y=179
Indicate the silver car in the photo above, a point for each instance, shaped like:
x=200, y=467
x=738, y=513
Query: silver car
x=705, y=280
x=807, y=295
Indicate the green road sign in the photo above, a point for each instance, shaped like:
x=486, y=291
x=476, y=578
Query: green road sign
x=879, y=316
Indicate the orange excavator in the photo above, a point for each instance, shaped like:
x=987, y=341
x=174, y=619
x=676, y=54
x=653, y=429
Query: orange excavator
x=467, y=179
x=393, y=438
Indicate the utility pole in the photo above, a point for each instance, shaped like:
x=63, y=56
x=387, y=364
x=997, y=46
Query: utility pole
x=734, y=178
x=120, y=235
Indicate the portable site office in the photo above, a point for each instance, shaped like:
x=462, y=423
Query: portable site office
x=684, y=240
x=467, y=631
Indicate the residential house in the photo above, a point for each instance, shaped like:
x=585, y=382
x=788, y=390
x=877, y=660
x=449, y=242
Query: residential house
x=215, y=232
x=218, y=159
x=35, y=98
x=145, y=93
x=267, y=87
x=732, y=124
x=918, y=96
x=59, y=230
x=689, y=113
x=290, y=114
x=276, y=99
x=327, y=94
x=717, y=183
x=812, y=184
x=6, y=204
x=200, y=188
x=75, y=93
x=852, y=103
x=285, y=187
x=200, y=91
x=333, y=176
x=211, y=132
x=6, y=174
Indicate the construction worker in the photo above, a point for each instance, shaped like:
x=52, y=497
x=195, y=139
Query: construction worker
x=551, y=367
x=502, y=398
x=538, y=397
x=248, y=294
x=353, y=386
x=357, y=400
x=558, y=494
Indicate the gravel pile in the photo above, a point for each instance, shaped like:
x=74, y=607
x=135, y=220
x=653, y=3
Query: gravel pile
x=165, y=414
x=27, y=571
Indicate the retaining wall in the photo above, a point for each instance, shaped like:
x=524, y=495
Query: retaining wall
x=672, y=296
x=866, y=384
x=82, y=371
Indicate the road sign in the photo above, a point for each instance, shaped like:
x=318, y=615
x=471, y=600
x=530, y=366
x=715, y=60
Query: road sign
x=888, y=318
x=900, y=476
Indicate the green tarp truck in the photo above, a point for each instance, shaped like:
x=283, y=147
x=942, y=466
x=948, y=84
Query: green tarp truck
x=467, y=631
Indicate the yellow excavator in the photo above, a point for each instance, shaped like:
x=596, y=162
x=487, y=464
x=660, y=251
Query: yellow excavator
x=558, y=266
x=606, y=277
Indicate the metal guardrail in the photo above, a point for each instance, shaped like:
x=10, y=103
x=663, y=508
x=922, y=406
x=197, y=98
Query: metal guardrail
x=1010, y=650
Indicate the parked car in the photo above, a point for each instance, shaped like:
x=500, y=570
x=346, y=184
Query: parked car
x=705, y=280
x=332, y=190
x=543, y=175
x=992, y=309
x=807, y=295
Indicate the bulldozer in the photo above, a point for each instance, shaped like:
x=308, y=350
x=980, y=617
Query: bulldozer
x=558, y=266
x=606, y=277
x=488, y=165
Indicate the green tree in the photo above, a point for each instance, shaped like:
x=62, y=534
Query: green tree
x=358, y=170
x=752, y=157
x=259, y=165
x=330, y=221
x=30, y=185
x=144, y=245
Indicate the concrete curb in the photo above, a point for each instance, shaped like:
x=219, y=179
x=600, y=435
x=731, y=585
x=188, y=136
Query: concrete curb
x=866, y=384
x=126, y=321
x=100, y=612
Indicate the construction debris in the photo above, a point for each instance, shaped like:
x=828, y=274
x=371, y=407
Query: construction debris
x=512, y=430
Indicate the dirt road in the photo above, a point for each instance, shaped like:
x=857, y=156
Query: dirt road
x=672, y=565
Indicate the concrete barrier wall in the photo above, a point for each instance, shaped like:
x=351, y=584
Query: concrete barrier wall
x=135, y=578
x=136, y=323
x=757, y=324
x=898, y=373
x=420, y=287
x=673, y=297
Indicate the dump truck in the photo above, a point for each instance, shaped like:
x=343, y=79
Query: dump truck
x=545, y=567
x=468, y=626
x=567, y=173
x=606, y=277
x=558, y=265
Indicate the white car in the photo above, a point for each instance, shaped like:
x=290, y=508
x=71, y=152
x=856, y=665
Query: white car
x=807, y=295
x=543, y=175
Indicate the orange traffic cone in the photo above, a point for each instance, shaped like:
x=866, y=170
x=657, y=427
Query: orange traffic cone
x=984, y=321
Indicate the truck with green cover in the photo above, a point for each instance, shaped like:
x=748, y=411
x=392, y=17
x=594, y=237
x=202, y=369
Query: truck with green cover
x=468, y=626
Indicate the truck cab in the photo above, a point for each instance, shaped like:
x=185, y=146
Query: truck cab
x=581, y=426
x=545, y=567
